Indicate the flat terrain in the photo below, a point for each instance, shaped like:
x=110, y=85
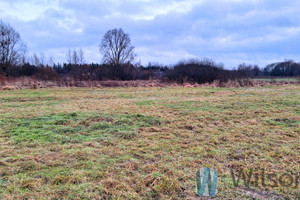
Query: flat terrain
x=146, y=143
x=277, y=79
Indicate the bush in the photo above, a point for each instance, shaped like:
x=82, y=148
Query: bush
x=47, y=73
x=195, y=71
x=116, y=72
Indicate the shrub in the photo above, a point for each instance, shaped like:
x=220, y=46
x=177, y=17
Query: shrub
x=47, y=73
x=195, y=71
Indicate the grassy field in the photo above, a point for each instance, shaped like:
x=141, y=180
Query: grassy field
x=147, y=143
x=277, y=79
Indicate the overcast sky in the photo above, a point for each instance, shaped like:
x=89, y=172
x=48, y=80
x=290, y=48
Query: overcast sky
x=228, y=31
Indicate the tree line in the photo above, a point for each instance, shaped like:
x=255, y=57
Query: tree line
x=118, y=63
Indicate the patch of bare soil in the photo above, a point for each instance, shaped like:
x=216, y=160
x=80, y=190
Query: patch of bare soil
x=263, y=195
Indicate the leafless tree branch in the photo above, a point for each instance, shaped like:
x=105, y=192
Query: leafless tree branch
x=12, y=49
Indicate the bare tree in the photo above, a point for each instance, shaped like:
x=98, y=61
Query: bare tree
x=116, y=47
x=75, y=58
x=81, y=57
x=51, y=61
x=12, y=49
x=36, y=60
x=69, y=56
x=42, y=59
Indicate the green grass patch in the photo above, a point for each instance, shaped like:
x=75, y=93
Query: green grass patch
x=190, y=106
x=76, y=127
x=276, y=79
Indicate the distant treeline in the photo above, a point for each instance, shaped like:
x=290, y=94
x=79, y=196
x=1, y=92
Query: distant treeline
x=193, y=70
x=117, y=58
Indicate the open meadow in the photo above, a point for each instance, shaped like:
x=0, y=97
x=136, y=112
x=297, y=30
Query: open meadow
x=148, y=142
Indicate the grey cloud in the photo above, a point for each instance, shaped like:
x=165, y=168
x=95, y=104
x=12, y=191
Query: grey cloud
x=213, y=28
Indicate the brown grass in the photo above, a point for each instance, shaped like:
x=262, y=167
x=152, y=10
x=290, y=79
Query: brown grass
x=9, y=87
x=144, y=143
x=10, y=83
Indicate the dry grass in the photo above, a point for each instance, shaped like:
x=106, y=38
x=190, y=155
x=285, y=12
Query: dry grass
x=145, y=142
x=9, y=87
x=10, y=83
